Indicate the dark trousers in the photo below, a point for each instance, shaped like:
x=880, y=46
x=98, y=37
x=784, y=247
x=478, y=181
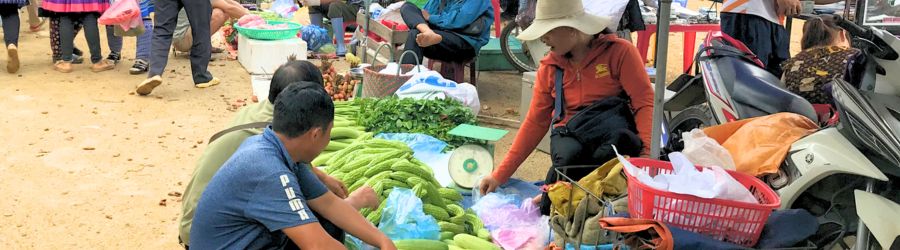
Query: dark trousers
x=10, y=16
x=452, y=48
x=768, y=40
x=67, y=25
x=198, y=12
x=55, y=39
x=336, y=9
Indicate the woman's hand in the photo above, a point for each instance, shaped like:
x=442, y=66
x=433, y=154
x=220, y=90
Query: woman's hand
x=489, y=184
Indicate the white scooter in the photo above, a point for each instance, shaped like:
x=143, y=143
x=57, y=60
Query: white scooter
x=821, y=169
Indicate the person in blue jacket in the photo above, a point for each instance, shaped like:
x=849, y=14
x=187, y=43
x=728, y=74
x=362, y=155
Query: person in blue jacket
x=447, y=30
x=142, y=52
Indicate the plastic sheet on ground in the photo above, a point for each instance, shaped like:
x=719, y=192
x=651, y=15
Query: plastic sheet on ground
x=428, y=150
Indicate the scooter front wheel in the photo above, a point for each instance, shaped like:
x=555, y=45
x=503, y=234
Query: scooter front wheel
x=697, y=116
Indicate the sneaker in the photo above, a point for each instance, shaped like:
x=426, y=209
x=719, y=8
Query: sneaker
x=148, y=85
x=63, y=66
x=12, y=58
x=77, y=59
x=114, y=58
x=140, y=66
x=103, y=65
x=210, y=83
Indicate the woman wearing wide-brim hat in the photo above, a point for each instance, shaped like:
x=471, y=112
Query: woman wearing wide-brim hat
x=598, y=70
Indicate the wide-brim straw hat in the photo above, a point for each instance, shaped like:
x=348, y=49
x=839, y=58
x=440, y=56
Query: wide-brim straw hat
x=551, y=14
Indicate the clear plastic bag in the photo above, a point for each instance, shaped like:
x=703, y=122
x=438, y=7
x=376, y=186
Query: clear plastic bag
x=403, y=218
x=705, y=151
x=512, y=226
x=284, y=8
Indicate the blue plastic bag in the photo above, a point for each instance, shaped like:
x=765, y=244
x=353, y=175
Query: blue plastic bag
x=315, y=37
x=403, y=218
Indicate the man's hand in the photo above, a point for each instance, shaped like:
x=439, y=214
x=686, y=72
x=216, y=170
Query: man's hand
x=364, y=197
x=489, y=184
x=426, y=15
x=334, y=185
x=788, y=7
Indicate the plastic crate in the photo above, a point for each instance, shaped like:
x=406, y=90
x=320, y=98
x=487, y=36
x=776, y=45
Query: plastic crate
x=271, y=34
x=733, y=221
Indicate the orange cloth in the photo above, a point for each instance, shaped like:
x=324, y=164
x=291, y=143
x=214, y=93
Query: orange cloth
x=614, y=65
x=661, y=239
x=759, y=145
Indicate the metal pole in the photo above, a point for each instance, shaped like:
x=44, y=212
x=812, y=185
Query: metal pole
x=364, y=41
x=662, y=54
x=862, y=233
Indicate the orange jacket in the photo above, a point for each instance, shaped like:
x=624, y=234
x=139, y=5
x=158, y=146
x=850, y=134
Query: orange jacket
x=613, y=65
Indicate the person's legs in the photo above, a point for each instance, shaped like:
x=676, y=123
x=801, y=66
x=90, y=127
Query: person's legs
x=759, y=35
x=166, y=17
x=10, y=19
x=115, y=45
x=66, y=40
x=461, y=50
x=55, y=41
x=316, y=13
x=199, y=13
x=164, y=26
x=92, y=35
x=142, y=52
x=34, y=21
x=414, y=19
x=338, y=12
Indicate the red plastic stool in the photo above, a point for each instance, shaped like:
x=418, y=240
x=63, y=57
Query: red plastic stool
x=456, y=71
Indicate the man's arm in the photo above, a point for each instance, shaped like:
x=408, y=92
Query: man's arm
x=334, y=185
x=312, y=236
x=344, y=216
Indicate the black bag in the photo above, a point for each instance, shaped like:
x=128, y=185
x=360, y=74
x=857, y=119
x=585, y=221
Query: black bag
x=473, y=29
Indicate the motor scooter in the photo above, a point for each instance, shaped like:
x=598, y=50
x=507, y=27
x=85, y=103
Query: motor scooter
x=857, y=148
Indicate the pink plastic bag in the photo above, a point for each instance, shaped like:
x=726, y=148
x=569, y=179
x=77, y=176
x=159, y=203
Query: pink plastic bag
x=124, y=13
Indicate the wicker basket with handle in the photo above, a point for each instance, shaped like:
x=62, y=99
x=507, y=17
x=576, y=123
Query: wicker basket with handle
x=376, y=84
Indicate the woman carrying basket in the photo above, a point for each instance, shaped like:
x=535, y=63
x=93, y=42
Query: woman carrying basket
x=592, y=88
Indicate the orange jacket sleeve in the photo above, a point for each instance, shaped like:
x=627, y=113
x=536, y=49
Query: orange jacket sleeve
x=536, y=124
x=636, y=83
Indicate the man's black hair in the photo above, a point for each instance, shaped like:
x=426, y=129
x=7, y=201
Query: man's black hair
x=301, y=107
x=292, y=72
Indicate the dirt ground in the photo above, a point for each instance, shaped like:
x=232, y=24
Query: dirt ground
x=87, y=164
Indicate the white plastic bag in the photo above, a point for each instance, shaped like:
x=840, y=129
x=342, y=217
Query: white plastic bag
x=431, y=85
x=704, y=151
x=713, y=182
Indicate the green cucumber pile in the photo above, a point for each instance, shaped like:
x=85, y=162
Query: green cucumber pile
x=357, y=159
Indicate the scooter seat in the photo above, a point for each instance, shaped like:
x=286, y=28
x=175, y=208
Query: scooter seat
x=757, y=92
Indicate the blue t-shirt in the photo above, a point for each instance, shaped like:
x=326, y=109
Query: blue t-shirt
x=258, y=192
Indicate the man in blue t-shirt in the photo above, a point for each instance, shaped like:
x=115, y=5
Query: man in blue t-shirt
x=265, y=194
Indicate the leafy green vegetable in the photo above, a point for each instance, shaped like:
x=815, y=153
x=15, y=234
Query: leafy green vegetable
x=406, y=115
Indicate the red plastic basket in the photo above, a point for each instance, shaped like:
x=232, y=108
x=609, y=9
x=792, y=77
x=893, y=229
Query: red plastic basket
x=725, y=220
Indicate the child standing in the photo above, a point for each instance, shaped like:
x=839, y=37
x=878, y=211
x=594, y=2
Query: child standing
x=9, y=13
x=69, y=12
x=142, y=52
